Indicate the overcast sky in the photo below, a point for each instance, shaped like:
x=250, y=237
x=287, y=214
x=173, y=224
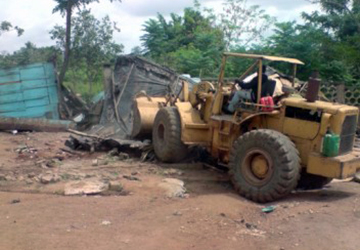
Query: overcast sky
x=35, y=16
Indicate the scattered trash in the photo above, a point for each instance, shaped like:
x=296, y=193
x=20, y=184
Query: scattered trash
x=177, y=213
x=49, y=178
x=357, y=178
x=15, y=201
x=29, y=181
x=268, y=209
x=173, y=171
x=26, y=149
x=10, y=178
x=114, y=152
x=250, y=226
x=116, y=186
x=52, y=163
x=95, y=163
x=253, y=232
x=100, y=162
x=2, y=177
x=114, y=147
x=105, y=223
x=131, y=178
x=173, y=187
x=123, y=156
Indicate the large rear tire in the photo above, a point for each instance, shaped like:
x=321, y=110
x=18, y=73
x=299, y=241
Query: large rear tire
x=166, y=136
x=264, y=165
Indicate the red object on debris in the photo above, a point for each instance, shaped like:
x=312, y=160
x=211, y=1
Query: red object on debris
x=267, y=104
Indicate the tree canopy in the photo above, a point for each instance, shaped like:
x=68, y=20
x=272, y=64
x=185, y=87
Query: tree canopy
x=29, y=54
x=194, y=41
x=340, y=21
x=188, y=43
x=6, y=26
x=92, y=45
x=66, y=7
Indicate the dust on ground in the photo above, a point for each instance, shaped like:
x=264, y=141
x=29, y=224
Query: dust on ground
x=135, y=205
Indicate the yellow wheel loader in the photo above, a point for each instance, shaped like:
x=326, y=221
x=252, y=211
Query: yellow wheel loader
x=271, y=145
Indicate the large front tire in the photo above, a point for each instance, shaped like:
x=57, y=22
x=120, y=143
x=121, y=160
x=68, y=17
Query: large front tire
x=166, y=136
x=264, y=165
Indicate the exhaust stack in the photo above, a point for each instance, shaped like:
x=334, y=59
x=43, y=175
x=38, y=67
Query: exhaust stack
x=313, y=88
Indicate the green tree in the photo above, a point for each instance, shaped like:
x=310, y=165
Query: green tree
x=6, y=26
x=342, y=17
x=340, y=20
x=188, y=43
x=304, y=42
x=241, y=24
x=66, y=7
x=137, y=51
x=92, y=44
x=29, y=54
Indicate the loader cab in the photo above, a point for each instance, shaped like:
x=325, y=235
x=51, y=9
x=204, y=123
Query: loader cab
x=264, y=89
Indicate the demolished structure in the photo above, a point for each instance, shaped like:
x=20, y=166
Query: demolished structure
x=32, y=99
x=132, y=75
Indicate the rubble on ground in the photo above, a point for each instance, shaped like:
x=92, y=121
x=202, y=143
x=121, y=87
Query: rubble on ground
x=49, y=178
x=100, y=144
x=88, y=187
x=173, y=187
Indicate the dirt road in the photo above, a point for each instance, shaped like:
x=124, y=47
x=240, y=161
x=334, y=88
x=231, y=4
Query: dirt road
x=34, y=214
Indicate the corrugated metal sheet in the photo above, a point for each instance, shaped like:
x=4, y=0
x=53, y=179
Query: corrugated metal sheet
x=29, y=92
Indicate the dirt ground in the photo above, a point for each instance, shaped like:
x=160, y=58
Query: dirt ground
x=35, y=213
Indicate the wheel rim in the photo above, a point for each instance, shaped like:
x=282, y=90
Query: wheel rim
x=257, y=167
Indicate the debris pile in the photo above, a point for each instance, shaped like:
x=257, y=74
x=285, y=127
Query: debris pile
x=173, y=188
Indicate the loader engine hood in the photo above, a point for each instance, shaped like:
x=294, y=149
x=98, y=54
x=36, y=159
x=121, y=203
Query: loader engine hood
x=336, y=118
x=327, y=107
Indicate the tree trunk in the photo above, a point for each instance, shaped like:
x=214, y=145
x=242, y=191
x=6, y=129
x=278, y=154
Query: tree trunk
x=89, y=81
x=67, y=41
x=90, y=87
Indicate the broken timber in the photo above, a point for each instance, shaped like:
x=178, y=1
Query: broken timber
x=39, y=125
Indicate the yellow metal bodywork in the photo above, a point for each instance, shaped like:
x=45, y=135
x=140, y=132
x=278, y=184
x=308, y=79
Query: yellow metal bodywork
x=340, y=167
x=193, y=129
x=222, y=130
x=224, y=133
x=203, y=123
x=259, y=166
x=144, y=112
x=308, y=135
